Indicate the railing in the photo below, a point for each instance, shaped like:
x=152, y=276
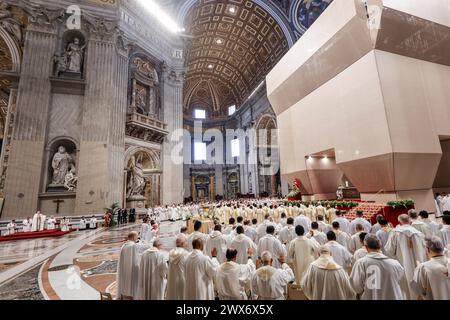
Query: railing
x=136, y=117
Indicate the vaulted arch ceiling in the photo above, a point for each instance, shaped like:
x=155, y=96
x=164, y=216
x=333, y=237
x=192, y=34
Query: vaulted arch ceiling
x=235, y=43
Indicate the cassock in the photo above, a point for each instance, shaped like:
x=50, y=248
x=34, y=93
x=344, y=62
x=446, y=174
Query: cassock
x=233, y=278
x=327, y=280
x=242, y=243
x=274, y=246
x=366, y=224
x=303, y=221
x=377, y=277
x=302, y=252
x=269, y=283
x=200, y=272
x=216, y=240
x=128, y=270
x=27, y=225
x=432, y=279
x=152, y=275
x=38, y=222
x=340, y=254
x=406, y=244
x=176, y=277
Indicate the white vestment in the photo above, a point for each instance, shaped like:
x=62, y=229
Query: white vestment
x=27, y=225
x=200, y=272
x=251, y=233
x=269, y=283
x=344, y=224
x=366, y=224
x=196, y=235
x=11, y=228
x=354, y=243
x=82, y=224
x=383, y=236
x=93, y=223
x=274, y=246
x=262, y=229
x=342, y=238
x=359, y=254
x=302, y=252
x=128, y=270
x=242, y=243
x=176, y=277
x=324, y=227
x=377, y=277
x=340, y=254
x=38, y=222
x=218, y=241
x=375, y=228
x=444, y=234
x=303, y=221
x=51, y=224
x=432, y=279
x=287, y=234
x=326, y=280
x=422, y=227
x=406, y=244
x=152, y=275
x=65, y=225
x=232, y=279
x=146, y=234
x=319, y=236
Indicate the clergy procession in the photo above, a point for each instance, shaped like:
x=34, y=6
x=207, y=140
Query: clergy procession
x=268, y=250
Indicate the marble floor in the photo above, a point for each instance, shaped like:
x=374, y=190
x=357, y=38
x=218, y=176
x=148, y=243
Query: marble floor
x=77, y=266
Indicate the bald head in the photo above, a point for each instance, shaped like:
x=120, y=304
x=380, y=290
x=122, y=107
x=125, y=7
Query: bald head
x=266, y=258
x=157, y=243
x=324, y=250
x=181, y=241
x=133, y=236
x=403, y=219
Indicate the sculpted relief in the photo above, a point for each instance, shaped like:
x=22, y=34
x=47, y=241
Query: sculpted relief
x=64, y=170
x=136, y=179
x=72, y=59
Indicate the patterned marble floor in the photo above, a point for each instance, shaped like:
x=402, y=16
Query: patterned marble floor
x=85, y=266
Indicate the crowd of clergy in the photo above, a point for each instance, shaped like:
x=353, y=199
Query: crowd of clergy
x=259, y=250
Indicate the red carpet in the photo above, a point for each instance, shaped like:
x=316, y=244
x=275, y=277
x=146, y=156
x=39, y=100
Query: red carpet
x=34, y=235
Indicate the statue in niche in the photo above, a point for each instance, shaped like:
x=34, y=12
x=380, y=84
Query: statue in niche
x=70, y=181
x=136, y=183
x=62, y=162
x=141, y=100
x=72, y=59
x=8, y=22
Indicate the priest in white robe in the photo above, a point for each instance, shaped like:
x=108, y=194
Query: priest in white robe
x=340, y=253
x=128, y=268
x=82, y=223
x=316, y=234
x=200, y=272
x=323, y=226
x=326, y=280
x=355, y=242
x=269, y=283
x=377, y=277
x=384, y=233
x=303, y=221
x=273, y=245
x=250, y=229
x=342, y=237
x=444, y=233
x=232, y=279
x=343, y=222
x=38, y=222
x=93, y=223
x=406, y=244
x=152, y=274
x=242, y=244
x=287, y=233
x=51, y=223
x=433, y=225
x=216, y=240
x=27, y=224
x=432, y=278
x=302, y=252
x=146, y=235
x=262, y=228
x=65, y=227
x=11, y=227
x=360, y=220
x=418, y=224
x=176, y=276
x=197, y=234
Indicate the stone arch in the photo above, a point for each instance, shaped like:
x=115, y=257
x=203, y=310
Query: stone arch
x=15, y=53
x=152, y=155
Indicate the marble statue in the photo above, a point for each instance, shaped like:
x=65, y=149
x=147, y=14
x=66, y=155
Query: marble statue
x=70, y=181
x=61, y=164
x=137, y=182
x=74, y=56
x=8, y=22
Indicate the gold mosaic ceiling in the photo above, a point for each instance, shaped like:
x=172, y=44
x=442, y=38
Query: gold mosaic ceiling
x=235, y=44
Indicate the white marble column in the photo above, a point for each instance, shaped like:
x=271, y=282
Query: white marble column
x=172, y=185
